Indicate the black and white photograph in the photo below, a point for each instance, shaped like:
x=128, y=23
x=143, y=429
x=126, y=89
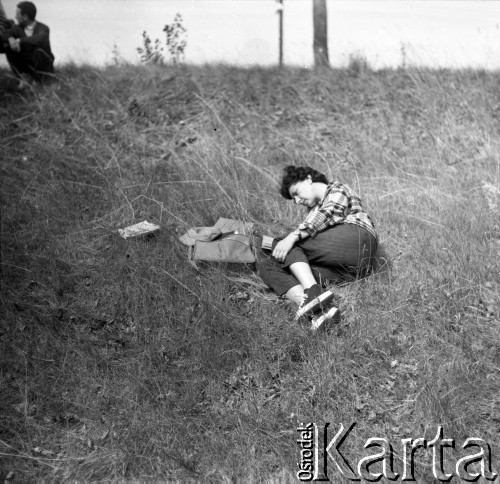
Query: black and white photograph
x=250, y=241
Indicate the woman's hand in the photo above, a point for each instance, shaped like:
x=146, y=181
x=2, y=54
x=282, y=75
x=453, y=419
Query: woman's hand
x=284, y=246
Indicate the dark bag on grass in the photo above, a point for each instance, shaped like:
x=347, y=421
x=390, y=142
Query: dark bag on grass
x=231, y=248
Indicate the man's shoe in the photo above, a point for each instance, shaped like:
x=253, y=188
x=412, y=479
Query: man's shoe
x=25, y=81
x=314, y=301
x=23, y=85
x=330, y=316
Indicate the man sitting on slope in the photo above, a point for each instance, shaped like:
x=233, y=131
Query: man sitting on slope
x=27, y=46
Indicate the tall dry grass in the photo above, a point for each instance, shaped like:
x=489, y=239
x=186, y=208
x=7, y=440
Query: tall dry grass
x=119, y=361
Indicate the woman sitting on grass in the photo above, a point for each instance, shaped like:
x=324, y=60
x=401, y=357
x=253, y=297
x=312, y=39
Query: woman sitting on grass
x=335, y=243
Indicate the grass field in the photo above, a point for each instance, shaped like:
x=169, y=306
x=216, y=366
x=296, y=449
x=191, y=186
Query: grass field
x=119, y=361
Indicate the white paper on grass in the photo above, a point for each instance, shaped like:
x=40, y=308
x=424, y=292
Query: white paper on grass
x=137, y=230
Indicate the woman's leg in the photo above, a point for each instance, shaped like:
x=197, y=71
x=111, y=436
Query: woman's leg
x=296, y=283
x=277, y=278
x=341, y=253
x=283, y=276
x=295, y=294
x=303, y=273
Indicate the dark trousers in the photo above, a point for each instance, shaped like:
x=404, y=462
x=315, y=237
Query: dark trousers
x=36, y=64
x=339, y=254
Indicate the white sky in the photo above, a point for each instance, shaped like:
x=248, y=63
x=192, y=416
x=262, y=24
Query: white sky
x=436, y=33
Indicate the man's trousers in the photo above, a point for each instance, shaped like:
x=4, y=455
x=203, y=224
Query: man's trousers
x=36, y=64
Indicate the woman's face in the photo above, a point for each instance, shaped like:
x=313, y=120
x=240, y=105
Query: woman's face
x=303, y=192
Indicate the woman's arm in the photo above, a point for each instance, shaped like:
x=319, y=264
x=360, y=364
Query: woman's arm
x=283, y=247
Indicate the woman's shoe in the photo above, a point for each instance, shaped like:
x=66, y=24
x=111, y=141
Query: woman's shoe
x=330, y=316
x=315, y=300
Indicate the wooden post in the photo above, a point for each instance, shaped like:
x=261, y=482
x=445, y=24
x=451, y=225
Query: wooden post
x=280, y=14
x=320, y=44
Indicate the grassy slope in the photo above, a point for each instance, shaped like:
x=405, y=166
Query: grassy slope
x=119, y=360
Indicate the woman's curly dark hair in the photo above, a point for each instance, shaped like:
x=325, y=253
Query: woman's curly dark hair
x=295, y=174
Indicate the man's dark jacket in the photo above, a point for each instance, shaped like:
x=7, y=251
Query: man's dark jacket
x=39, y=39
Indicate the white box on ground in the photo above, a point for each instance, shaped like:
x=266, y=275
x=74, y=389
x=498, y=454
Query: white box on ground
x=138, y=230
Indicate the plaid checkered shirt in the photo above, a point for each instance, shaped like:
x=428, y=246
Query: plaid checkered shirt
x=340, y=204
